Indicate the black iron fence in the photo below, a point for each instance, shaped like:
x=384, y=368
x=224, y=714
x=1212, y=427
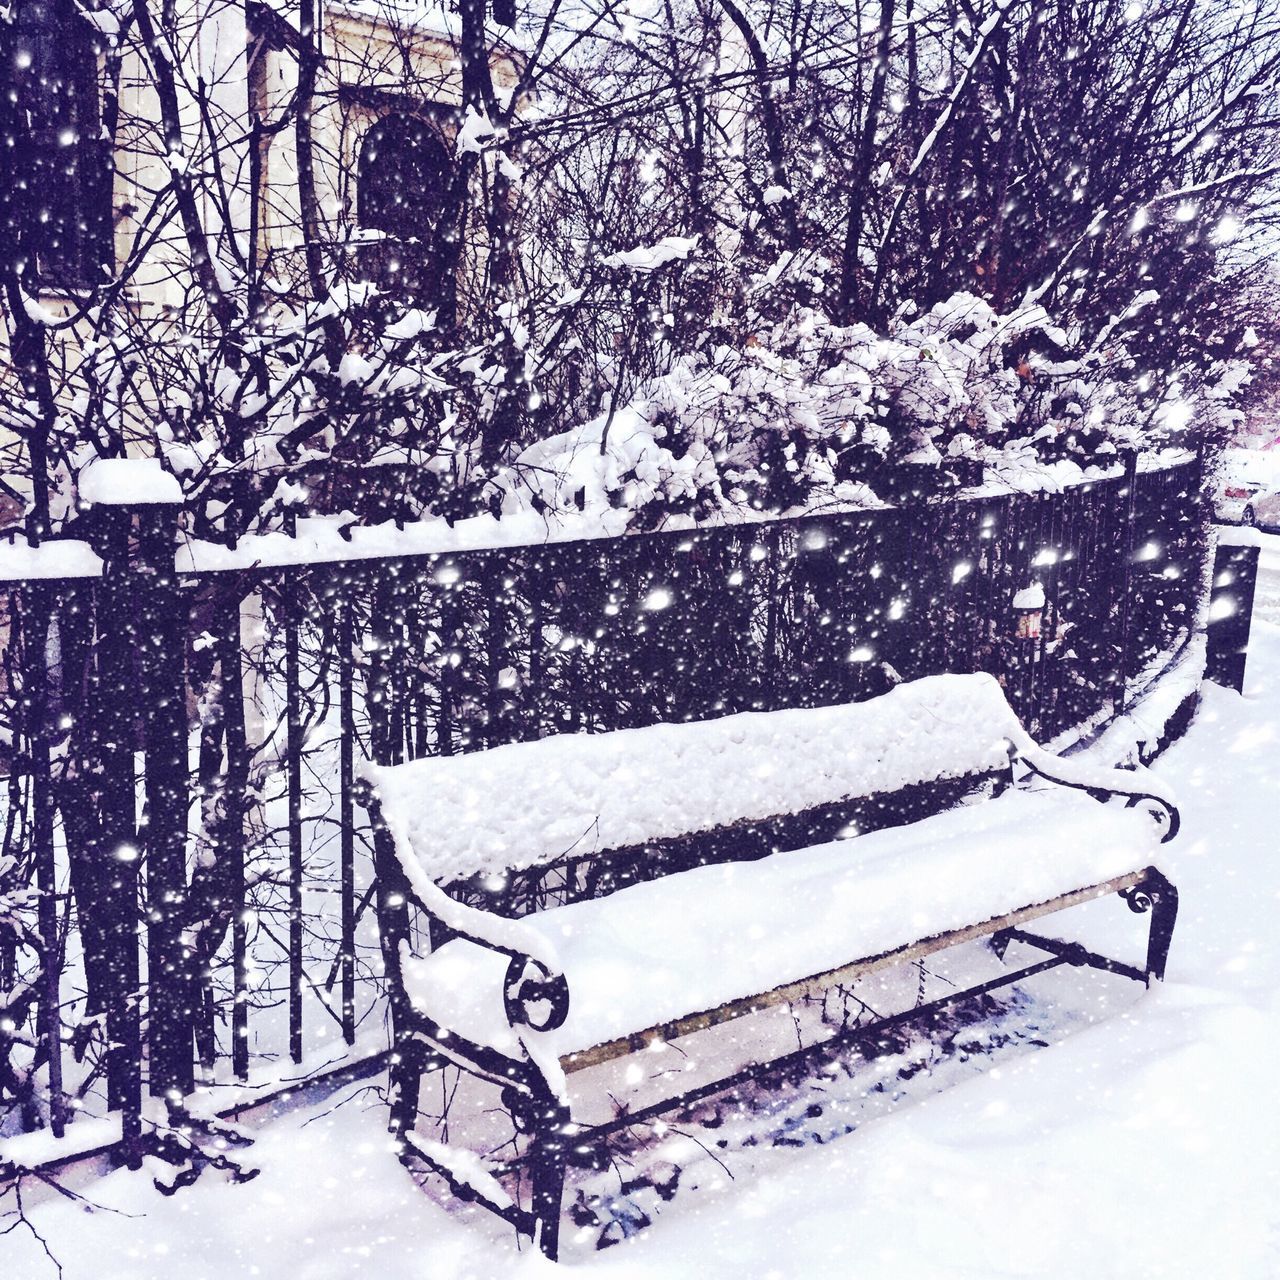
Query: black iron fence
x=185, y=886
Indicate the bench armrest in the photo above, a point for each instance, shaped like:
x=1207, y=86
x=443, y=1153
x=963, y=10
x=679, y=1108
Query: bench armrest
x=535, y=992
x=1139, y=784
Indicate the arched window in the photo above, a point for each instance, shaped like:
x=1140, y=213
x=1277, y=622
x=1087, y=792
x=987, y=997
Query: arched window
x=402, y=175
x=68, y=162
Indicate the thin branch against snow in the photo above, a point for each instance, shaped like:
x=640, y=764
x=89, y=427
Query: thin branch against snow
x=1195, y=135
x=1250, y=88
x=989, y=28
x=1145, y=299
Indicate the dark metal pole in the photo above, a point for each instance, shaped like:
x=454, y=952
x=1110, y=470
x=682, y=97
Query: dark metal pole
x=293, y=696
x=346, y=680
x=112, y=757
x=35, y=647
x=495, y=637
x=449, y=644
x=1235, y=574
x=1129, y=494
x=229, y=662
x=772, y=608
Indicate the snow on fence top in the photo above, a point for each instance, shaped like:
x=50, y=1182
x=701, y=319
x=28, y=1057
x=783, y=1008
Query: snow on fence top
x=1031, y=597
x=333, y=538
x=530, y=803
x=328, y=539
x=60, y=558
x=128, y=482
x=325, y=539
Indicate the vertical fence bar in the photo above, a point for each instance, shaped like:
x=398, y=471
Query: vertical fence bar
x=346, y=768
x=1130, y=493
x=416, y=729
x=449, y=649
x=233, y=822
x=399, y=617
x=378, y=684
x=1100, y=534
x=534, y=696
x=1047, y=576
x=293, y=713
x=495, y=651
x=35, y=647
x=773, y=606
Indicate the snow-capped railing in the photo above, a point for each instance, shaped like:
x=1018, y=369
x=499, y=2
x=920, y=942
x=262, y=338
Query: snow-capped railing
x=22, y=561
x=332, y=538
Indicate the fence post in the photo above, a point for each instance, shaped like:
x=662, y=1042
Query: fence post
x=1235, y=574
x=111, y=757
x=160, y=644
x=1129, y=493
x=141, y=686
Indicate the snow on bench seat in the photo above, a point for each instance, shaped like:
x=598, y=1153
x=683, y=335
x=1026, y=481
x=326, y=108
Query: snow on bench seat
x=655, y=952
x=530, y=803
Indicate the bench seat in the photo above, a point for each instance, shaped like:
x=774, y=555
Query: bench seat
x=652, y=953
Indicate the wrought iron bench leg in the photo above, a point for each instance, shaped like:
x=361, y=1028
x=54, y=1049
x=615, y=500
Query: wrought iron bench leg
x=547, y=1160
x=1155, y=894
x=1159, y=896
x=406, y=1080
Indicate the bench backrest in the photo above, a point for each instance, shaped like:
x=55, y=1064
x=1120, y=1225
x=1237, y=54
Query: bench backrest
x=535, y=803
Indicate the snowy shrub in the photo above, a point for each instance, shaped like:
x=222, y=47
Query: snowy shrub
x=804, y=414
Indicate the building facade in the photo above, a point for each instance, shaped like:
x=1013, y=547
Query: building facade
x=179, y=169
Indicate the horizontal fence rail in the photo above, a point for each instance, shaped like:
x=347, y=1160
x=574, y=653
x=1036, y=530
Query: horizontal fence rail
x=185, y=885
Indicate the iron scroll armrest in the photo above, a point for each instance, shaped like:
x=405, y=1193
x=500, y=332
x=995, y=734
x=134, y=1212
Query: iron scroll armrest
x=532, y=980
x=1167, y=816
x=529, y=986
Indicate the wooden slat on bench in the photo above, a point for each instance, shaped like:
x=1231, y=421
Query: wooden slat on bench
x=639, y=1040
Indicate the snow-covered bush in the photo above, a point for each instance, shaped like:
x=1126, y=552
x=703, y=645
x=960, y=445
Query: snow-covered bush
x=804, y=413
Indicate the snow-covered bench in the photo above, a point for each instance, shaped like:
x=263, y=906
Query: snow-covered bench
x=645, y=944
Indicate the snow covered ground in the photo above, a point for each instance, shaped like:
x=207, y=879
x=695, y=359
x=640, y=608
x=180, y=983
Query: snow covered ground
x=1266, y=600
x=1145, y=1144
